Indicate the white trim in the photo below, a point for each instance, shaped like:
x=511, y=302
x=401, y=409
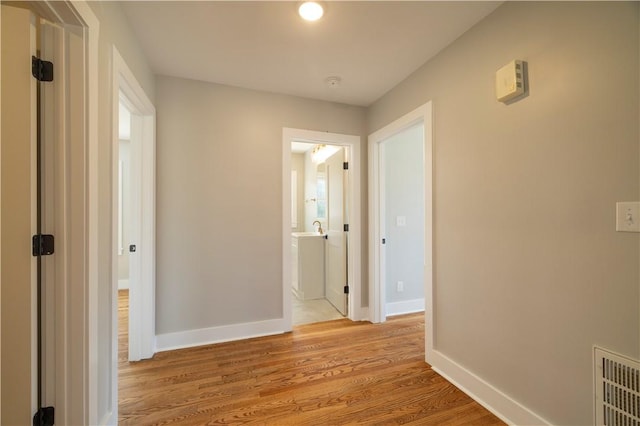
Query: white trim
x=364, y=313
x=92, y=32
x=506, y=408
x=123, y=284
x=224, y=333
x=142, y=268
x=377, y=304
x=0, y=221
x=82, y=200
x=120, y=207
x=354, y=257
x=404, y=307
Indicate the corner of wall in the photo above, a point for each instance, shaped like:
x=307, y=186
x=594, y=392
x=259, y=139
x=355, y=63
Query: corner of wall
x=494, y=400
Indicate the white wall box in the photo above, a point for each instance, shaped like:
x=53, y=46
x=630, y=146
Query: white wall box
x=510, y=81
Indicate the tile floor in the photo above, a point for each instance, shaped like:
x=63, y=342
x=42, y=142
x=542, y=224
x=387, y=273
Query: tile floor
x=309, y=311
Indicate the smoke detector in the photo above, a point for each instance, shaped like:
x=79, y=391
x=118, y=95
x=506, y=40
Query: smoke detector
x=333, y=81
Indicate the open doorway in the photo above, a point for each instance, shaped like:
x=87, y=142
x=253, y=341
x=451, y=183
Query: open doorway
x=126, y=239
x=124, y=194
x=400, y=217
x=402, y=221
x=319, y=206
x=321, y=243
x=133, y=218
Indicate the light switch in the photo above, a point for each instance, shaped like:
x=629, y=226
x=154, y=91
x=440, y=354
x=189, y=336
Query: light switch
x=628, y=216
x=401, y=221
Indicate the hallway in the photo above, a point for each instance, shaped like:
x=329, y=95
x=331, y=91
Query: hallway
x=328, y=373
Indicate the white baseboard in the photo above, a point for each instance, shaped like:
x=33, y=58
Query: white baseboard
x=503, y=406
x=404, y=307
x=123, y=284
x=225, y=333
x=363, y=314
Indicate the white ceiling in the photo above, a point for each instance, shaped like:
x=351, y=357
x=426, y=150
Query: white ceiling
x=265, y=45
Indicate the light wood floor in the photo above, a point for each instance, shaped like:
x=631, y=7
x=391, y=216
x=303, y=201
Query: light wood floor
x=330, y=373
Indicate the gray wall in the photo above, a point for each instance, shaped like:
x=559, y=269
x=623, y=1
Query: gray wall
x=404, y=196
x=115, y=30
x=529, y=271
x=219, y=198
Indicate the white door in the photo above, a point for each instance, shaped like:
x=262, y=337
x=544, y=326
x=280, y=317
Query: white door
x=18, y=218
x=336, y=247
x=62, y=141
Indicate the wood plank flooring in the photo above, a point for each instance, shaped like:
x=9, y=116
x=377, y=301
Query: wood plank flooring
x=331, y=373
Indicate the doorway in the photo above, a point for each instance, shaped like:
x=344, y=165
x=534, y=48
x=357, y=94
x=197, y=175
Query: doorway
x=319, y=207
x=49, y=141
x=135, y=167
x=402, y=221
x=133, y=217
x=124, y=194
x=321, y=229
x=387, y=218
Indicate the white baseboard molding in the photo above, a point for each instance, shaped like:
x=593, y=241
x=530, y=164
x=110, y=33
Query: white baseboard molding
x=502, y=405
x=224, y=333
x=108, y=419
x=404, y=307
x=297, y=293
x=363, y=314
x=123, y=284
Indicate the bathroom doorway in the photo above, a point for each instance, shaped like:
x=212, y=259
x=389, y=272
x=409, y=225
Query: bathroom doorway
x=318, y=207
x=320, y=248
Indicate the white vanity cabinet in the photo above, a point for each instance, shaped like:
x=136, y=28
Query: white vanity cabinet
x=307, y=258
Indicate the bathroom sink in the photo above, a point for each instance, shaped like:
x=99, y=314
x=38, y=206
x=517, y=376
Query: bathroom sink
x=306, y=234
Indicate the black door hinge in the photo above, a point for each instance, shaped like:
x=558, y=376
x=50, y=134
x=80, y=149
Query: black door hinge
x=384, y=241
x=41, y=70
x=346, y=289
x=346, y=227
x=44, y=417
x=345, y=165
x=42, y=245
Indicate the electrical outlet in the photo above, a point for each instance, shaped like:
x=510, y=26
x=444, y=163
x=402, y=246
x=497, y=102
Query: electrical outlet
x=401, y=221
x=628, y=216
x=400, y=286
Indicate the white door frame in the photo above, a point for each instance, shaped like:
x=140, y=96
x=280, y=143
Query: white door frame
x=353, y=144
x=76, y=304
x=81, y=256
x=142, y=270
x=422, y=114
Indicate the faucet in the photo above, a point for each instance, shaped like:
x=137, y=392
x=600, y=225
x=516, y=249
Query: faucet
x=320, y=231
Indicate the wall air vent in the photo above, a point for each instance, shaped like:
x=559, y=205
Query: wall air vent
x=617, y=389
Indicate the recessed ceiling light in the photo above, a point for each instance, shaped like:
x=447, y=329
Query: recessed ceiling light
x=311, y=11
